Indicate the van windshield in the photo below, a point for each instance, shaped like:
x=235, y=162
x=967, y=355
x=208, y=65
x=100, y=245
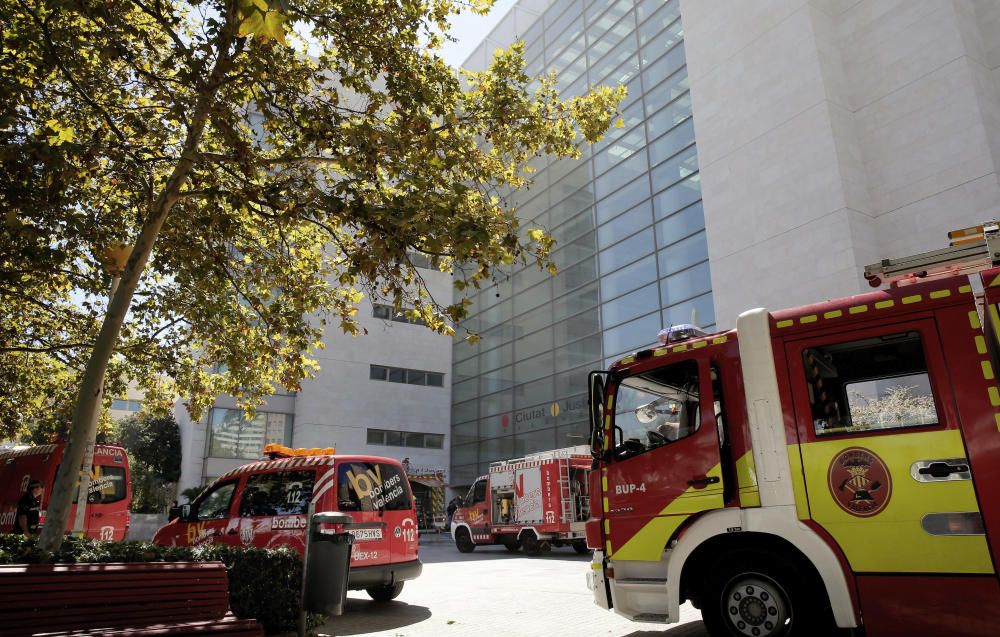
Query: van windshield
x=372, y=486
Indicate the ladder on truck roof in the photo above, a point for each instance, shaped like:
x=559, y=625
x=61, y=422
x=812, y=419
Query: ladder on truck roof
x=580, y=451
x=972, y=249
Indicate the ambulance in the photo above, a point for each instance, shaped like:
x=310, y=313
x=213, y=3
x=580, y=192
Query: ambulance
x=535, y=502
x=830, y=466
x=107, y=516
x=265, y=504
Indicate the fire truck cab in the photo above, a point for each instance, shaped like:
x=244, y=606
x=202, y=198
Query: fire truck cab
x=534, y=503
x=836, y=464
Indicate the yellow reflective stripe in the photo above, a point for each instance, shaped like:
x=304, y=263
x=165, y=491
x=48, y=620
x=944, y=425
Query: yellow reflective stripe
x=608, y=551
x=699, y=344
x=858, y=309
x=607, y=525
x=627, y=360
x=604, y=483
x=996, y=417
x=661, y=352
x=965, y=289
x=811, y=318
x=719, y=340
x=680, y=348
x=988, y=370
x=980, y=344
x=606, y=507
x=994, y=396
x=974, y=320
x=940, y=294
x=833, y=314
x=916, y=298
x=995, y=282
x=785, y=323
x=881, y=305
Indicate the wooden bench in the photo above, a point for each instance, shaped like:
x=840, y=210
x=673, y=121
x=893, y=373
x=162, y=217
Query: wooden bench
x=154, y=598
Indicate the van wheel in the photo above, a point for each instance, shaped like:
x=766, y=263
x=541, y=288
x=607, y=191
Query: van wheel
x=463, y=540
x=581, y=547
x=385, y=592
x=755, y=595
x=530, y=543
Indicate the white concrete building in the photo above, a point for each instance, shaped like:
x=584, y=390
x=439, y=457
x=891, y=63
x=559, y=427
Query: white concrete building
x=387, y=392
x=834, y=133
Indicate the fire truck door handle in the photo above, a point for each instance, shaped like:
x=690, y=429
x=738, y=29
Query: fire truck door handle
x=703, y=482
x=942, y=469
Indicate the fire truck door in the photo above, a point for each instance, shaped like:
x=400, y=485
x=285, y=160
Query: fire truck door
x=884, y=464
x=665, y=463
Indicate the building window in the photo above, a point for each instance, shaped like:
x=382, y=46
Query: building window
x=233, y=436
x=121, y=404
x=391, y=438
x=386, y=312
x=406, y=376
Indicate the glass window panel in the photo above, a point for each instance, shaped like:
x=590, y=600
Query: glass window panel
x=464, y=391
x=498, y=449
x=683, y=254
x=623, y=148
x=661, y=42
x=622, y=53
x=119, y=404
x=578, y=225
x=568, y=55
x=573, y=434
x=629, y=278
x=495, y=337
x=434, y=441
x=462, y=349
x=576, y=327
x=435, y=379
x=627, y=251
x=496, y=380
x=632, y=116
x=570, y=382
x=279, y=429
x=678, y=196
x=225, y=433
x=463, y=433
x=676, y=168
x=572, y=72
x=697, y=311
x=633, y=304
x=529, y=276
x=533, y=368
x=495, y=315
x=495, y=404
x=686, y=284
x=464, y=412
x=397, y=375
x=574, y=276
x=577, y=249
x=681, y=224
x=465, y=369
x=534, y=60
x=602, y=39
x=491, y=359
x=633, y=335
x=647, y=8
x=558, y=41
x=462, y=454
x=673, y=114
x=626, y=224
x=624, y=74
x=597, y=18
x=664, y=15
x=578, y=352
x=416, y=377
x=531, y=441
x=533, y=297
x=281, y=493
x=252, y=433
x=533, y=343
x=623, y=199
x=540, y=391
x=534, y=207
x=575, y=302
x=664, y=67
x=667, y=91
x=578, y=177
x=378, y=372
x=571, y=206
x=532, y=321
x=376, y=437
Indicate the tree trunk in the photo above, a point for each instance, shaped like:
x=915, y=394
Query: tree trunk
x=84, y=426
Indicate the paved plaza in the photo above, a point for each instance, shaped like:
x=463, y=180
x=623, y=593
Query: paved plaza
x=495, y=593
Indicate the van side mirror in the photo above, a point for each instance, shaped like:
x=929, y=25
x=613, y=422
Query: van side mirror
x=597, y=407
x=185, y=512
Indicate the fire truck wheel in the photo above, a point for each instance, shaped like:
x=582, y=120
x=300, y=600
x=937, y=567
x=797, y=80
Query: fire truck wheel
x=385, y=592
x=751, y=595
x=512, y=545
x=530, y=543
x=463, y=540
x=581, y=547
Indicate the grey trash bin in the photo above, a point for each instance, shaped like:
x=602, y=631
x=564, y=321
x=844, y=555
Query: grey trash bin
x=328, y=562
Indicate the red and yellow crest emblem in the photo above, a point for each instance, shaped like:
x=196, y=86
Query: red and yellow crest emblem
x=860, y=482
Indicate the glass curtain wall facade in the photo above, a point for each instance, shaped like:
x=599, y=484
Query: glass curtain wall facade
x=629, y=227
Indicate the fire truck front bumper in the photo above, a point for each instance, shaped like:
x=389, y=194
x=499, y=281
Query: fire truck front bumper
x=597, y=582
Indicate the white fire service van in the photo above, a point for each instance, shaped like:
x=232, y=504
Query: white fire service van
x=533, y=502
x=833, y=465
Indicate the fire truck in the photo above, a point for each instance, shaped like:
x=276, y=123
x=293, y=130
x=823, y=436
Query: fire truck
x=533, y=503
x=830, y=466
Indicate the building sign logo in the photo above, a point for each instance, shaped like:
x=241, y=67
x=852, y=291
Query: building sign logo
x=860, y=482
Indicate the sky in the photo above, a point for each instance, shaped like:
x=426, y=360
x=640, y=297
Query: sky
x=470, y=29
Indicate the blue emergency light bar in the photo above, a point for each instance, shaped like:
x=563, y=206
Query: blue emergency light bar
x=677, y=333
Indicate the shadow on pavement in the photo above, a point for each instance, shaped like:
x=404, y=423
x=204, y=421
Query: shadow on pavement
x=362, y=616
x=438, y=552
x=692, y=629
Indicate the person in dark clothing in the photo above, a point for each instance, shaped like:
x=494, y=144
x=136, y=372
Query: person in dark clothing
x=26, y=520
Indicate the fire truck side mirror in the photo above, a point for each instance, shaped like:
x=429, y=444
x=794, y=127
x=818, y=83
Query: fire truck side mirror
x=597, y=443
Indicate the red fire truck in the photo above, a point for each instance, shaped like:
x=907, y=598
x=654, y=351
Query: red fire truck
x=108, y=499
x=533, y=502
x=836, y=464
